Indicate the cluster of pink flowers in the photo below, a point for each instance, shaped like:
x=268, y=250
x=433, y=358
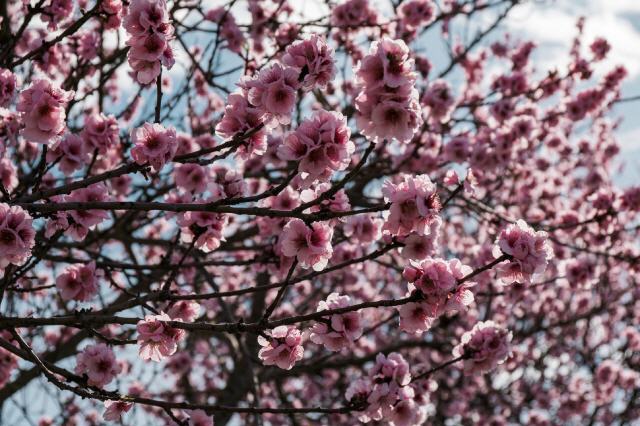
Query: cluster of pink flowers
x=87, y=219
x=353, y=14
x=363, y=228
x=70, y=152
x=337, y=331
x=240, y=117
x=113, y=11
x=17, y=236
x=56, y=12
x=388, y=104
x=320, y=144
x=313, y=59
x=154, y=144
x=273, y=93
x=415, y=13
x=99, y=364
x=439, y=100
x=484, y=347
x=529, y=250
x=149, y=28
x=184, y=310
x=100, y=132
x=192, y=177
x=205, y=227
x=79, y=282
x=387, y=393
x=8, y=174
x=8, y=86
x=437, y=280
x=415, y=205
x=43, y=111
x=156, y=339
x=115, y=409
x=282, y=347
x=311, y=245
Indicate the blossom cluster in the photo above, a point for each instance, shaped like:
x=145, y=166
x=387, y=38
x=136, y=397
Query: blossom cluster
x=529, y=252
x=147, y=23
x=388, y=104
x=43, y=105
x=338, y=331
x=440, y=290
x=17, y=236
x=483, y=347
x=281, y=347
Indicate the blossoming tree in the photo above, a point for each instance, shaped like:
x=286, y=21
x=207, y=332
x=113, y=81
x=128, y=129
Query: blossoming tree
x=241, y=214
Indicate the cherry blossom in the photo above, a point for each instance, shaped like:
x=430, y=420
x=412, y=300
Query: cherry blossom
x=484, y=347
x=310, y=245
x=339, y=330
x=156, y=339
x=79, y=282
x=529, y=251
x=42, y=105
x=154, y=144
x=99, y=364
x=282, y=347
x=17, y=236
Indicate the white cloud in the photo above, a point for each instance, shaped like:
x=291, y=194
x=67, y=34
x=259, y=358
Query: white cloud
x=553, y=27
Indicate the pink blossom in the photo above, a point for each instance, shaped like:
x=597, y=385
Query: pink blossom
x=79, y=282
x=352, y=14
x=273, y=93
x=418, y=247
x=339, y=330
x=156, y=339
x=392, y=367
x=440, y=291
x=414, y=205
x=192, y=177
x=313, y=59
x=416, y=317
x=484, y=347
x=150, y=30
x=8, y=174
x=282, y=347
x=388, y=102
x=240, y=117
x=115, y=409
x=415, y=13
x=93, y=193
x=529, y=250
x=99, y=364
x=321, y=145
x=200, y=418
x=8, y=85
x=600, y=47
x=363, y=228
x=70, y=152
x=17, y=236
x=205, y=227
x=310, y=244
x=113, y=9
x=439, y=99
x=185, y=310
x=43, y=111
x=56, y=12
x=100, y=132
x=154, y=144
